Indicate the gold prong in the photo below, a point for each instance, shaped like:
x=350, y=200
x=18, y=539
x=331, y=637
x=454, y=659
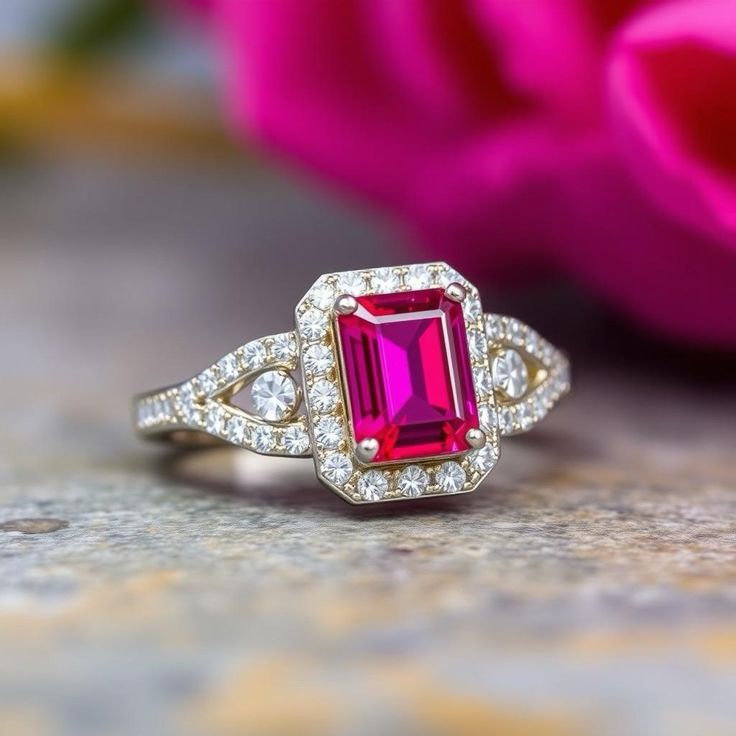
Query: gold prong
x=456, y=292
x=345, y=304
x=367, y=449
x=476, y=438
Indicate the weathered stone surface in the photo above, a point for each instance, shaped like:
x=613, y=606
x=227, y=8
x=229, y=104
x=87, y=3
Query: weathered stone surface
x=588, y=586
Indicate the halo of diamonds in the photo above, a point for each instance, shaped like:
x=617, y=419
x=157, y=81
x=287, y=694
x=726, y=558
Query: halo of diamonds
x=334, y=457
x=549, y=366
x=201, y=403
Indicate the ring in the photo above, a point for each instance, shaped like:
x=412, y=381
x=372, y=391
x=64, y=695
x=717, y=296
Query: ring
x=394, y=381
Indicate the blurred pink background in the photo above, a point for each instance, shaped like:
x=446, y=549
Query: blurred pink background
x=589, y=138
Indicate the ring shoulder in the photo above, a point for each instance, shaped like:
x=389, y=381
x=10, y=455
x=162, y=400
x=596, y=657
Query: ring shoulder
x=530, y=375
x=202, y=405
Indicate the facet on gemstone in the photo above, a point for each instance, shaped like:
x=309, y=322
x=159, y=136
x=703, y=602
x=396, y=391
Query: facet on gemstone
x=407, y=374
x=510, y=374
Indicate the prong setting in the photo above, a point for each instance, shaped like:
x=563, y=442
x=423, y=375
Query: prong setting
x=476, y=438
x=366, y=449
x=456, y=292
x=345, y=304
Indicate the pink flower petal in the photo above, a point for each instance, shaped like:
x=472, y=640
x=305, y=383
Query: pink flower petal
x=672, y=78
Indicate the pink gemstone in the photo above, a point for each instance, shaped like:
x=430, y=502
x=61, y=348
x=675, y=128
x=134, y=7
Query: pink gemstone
x=408, y=376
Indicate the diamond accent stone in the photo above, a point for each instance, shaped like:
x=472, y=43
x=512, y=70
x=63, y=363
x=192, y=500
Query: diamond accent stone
x=322, y=296
x=208, y=381
x=412, y=481
x=261, y=438
x=483, y=381
x=472, y=309
x=482, y=460
x=313, y=324
x=494, y=328
x=229, y=368
x=506, y=420
x=296, y=440
x=477, y=344
x=274, y=396
x=328, y=432
x=317, y=359
x=487, y=417
x=510, y=374
x=418, y=276
x=215, y=420
x=323, y=395
x=386, y=279
x=373, y=485
x=337, y=468
x=236, y=429
x=352, y=282
x=254, y=355
x=450, y=477
x=284, y=347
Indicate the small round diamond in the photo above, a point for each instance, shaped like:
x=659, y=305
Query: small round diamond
x=323, y=395
x=236, y=430
x=532, y=342
x=313, y=324
x=483, y=382
x=322, y=296
x=229, y=368
x=418, y=277
x=525, y=416
x=373, y=485
x=352, y=282
x=412, y=481
x=477, y=344
x=516, y=332
x=510, y=374
x=284, y=347
x=215, y=420
x=208, y=381
x=450, y=477
x=482, y=460
x=487, y=417
x=386, y=280
x=296, y=440
x=337, y=468
x=494, y=328
x=328, y=432
x=317, y=359
x=254, y=355
x=506, y=420
x=472, y=309
x=273, y=395
x=262, y=438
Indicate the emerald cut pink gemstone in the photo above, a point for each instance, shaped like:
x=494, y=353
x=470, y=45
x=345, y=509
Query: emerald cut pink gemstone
x=407, y=374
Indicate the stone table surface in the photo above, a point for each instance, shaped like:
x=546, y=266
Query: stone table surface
x=588, y=587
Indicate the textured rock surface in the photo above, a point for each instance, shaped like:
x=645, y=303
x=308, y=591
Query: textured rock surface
x=588, y=587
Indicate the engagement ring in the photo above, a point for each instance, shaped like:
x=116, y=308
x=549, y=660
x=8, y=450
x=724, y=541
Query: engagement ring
x=394, y=381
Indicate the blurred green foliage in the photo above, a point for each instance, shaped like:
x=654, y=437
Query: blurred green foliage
x=93, y=27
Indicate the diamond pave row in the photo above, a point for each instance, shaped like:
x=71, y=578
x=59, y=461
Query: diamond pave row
x=333, y=445
x=506, y=333
x=196, y=404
